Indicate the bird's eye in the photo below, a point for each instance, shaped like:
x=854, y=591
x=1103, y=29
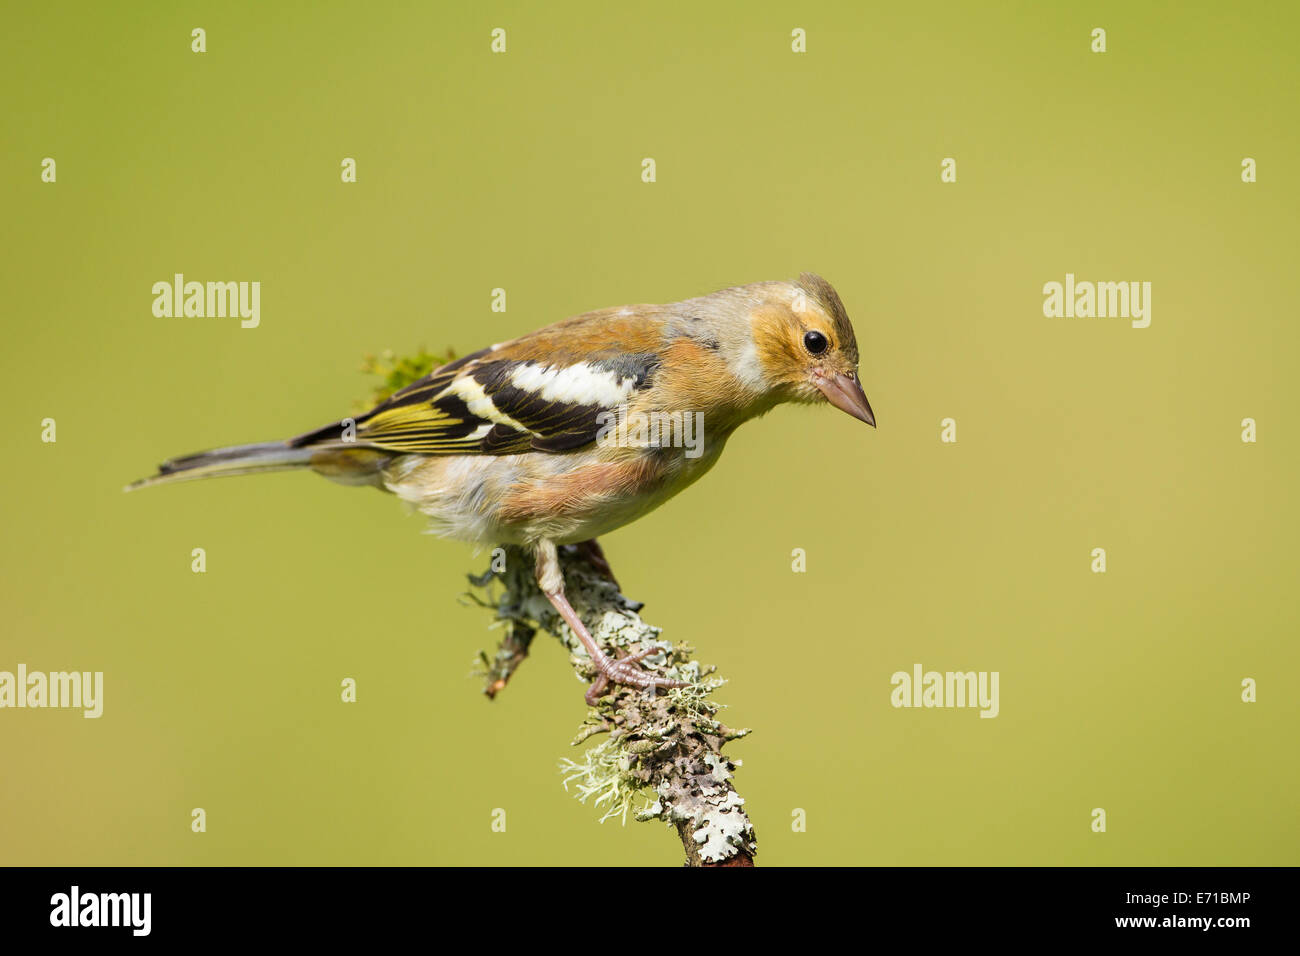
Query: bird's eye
x=815, y=343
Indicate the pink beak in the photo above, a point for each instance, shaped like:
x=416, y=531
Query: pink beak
x=845, y=393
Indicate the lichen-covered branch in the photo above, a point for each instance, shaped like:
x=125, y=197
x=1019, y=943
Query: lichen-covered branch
x=663, y=750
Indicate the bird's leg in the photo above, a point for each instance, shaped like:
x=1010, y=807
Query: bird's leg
x=609, y=670
x=595, y=555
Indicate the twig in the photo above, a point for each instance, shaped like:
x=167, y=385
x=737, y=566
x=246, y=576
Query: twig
x=668, y=746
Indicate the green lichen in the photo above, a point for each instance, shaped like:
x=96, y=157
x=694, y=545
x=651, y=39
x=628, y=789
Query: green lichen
x=397, y=372
x=605, y=776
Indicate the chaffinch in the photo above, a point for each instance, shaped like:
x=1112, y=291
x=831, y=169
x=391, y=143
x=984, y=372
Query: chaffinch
x=576, y=429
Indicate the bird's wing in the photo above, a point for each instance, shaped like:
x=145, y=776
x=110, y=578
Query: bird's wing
x=527, y=395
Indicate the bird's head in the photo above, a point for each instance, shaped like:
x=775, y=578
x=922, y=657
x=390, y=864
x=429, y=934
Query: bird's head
x=806, y=347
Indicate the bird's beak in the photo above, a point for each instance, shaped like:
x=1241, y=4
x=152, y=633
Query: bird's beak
x=844, y=391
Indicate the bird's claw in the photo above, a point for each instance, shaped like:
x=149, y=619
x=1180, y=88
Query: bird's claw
x=625, y=671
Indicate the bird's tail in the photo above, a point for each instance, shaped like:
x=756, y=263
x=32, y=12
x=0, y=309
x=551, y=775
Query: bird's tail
x=235, y=460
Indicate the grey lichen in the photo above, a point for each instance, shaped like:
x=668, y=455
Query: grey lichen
x=665, y=748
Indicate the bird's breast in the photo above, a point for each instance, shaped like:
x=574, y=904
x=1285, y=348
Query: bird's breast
x=599, y=492
x=520, y=499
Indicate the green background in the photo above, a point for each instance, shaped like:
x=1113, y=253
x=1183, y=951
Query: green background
x=522, y=171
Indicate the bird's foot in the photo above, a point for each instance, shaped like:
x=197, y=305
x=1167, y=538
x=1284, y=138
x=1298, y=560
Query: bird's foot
x=624, y=670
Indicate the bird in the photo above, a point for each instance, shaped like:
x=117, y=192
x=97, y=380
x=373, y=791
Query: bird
x=581, y=427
